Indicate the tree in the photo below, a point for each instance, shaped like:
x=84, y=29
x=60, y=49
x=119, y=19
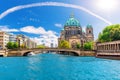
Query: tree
x=110, y=33
x=78, y=45
x=88, y=46
x=22, y=45
x=41, y=46
x=15, y=45
x=10, y=45
x=64, y=44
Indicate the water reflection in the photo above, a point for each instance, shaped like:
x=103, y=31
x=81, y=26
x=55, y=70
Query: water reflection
x=58, y=67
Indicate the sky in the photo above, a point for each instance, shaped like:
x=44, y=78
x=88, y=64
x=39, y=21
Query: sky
x=44, y=19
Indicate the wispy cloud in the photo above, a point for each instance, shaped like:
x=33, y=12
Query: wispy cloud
x=58, y=25
x=16, y=8
x=7, y=29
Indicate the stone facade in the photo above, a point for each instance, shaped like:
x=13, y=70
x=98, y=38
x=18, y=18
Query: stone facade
x=24, y=40
x=4, y=39
x=74, y=33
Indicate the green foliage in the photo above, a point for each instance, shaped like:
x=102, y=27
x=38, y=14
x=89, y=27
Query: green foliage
x=88, y=46
x=78, y=45
x=64, y=44
x=22, y=46
x=110, y=33
x=15, y=45
x=41, y=46
x=12, y=45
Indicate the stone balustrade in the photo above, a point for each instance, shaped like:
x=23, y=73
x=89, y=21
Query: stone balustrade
x=107, y=48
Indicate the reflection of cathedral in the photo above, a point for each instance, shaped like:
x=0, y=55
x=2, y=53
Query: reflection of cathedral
x=74, y=34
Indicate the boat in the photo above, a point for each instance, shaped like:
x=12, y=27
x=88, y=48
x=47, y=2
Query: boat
x=31, y=54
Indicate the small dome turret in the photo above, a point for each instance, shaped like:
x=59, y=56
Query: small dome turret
x=89, y=26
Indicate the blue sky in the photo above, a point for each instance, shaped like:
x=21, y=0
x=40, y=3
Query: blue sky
x=47, y=21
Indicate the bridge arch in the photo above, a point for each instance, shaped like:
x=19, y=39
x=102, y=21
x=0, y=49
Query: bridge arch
x=72, y=53
x=26, y=53
x=63, y=51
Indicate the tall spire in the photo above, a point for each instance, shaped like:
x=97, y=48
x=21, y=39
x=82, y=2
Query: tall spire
x=72, y=15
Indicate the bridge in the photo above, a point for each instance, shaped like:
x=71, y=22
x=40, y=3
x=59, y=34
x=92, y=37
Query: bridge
x=24, y=52
x=3, y=53
x=109, y=49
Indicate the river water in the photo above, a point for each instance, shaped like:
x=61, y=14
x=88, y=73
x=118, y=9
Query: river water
x=58, y=67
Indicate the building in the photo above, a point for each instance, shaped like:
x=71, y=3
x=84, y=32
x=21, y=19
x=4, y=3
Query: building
x=74, y=33
x=50, y=42
x=30, y=43
x=25, y=42
x=4, y=39
x=12, y=38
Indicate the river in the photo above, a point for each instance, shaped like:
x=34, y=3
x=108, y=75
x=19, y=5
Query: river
x=58, y=67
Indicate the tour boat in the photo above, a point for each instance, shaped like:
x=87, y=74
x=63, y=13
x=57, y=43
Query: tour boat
x=31, y=54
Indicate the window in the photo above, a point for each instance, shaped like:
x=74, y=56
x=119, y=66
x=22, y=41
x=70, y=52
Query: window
x=89, y=31
x=78, y=32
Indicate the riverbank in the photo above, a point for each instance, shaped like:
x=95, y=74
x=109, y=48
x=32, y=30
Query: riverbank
x=88, y=53
x=109, y=57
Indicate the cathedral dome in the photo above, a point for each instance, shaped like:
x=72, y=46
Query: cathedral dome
x=72, y=22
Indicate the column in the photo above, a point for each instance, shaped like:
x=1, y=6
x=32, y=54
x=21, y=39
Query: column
x=104, y=47
x=117, y=47
x=111, y=47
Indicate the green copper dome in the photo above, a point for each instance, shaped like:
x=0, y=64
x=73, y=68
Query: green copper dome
x=89, y=26
x=72, y=22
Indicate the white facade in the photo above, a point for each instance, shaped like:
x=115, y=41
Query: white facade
x=24, y=40
x=52, y=43
x=12, y=38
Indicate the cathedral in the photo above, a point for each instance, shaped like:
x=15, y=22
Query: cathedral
x=74, y=33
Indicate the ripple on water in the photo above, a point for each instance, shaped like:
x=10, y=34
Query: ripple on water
x=58, y=67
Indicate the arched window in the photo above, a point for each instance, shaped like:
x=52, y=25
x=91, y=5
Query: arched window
x=89, y=31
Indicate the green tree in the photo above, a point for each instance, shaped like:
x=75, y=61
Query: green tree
x=15, y=45
x=22, y=45
x=88, y=46
x=78, y=45
x=10, y=45
x=64, y=44
x=41, y=46
x=110, y=33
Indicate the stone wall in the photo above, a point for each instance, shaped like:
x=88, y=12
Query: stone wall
x=87, y=53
